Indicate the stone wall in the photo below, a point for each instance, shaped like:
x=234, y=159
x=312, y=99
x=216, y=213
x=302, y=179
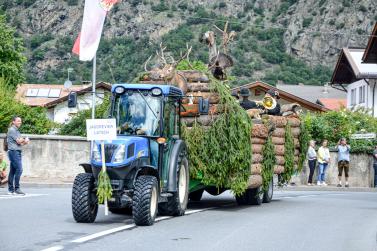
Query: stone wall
x=361, y=171
x=53, y=158
x=57, y=158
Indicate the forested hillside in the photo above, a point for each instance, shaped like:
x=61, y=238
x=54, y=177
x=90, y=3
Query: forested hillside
x=293, y=41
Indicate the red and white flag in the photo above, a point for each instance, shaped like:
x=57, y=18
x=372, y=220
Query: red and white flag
x=87, y=42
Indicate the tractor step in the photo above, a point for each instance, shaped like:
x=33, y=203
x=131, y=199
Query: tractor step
x=164, y=197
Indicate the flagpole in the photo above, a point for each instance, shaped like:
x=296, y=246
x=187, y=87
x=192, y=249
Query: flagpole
x=94, y=86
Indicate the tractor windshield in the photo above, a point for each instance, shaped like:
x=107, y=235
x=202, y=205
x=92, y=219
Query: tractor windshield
x=137, y=113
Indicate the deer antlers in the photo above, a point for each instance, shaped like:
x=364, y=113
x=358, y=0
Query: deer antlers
x=227, y=37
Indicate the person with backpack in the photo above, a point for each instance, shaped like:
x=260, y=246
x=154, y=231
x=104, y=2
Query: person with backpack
x=15, y=143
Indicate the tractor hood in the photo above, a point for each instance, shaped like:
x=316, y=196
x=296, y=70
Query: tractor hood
x=120, y=152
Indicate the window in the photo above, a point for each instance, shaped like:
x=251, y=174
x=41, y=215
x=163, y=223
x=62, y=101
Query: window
x=362, y=94
x=353, y=97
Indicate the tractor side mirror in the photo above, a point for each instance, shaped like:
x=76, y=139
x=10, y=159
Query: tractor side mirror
x=72, y=99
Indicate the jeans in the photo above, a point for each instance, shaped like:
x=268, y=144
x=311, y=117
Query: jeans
x=15, y=170
x=311, y=168
x=321, y=171
x=375, y=174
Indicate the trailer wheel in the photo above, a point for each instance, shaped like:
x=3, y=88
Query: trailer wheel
x=252, y=196
x=267, y=196
x=145, y=200
x=196, y=195
x=177, y=204
x=84, y=199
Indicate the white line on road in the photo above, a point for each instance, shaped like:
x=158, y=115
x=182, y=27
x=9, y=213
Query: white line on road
x=8, y=197
x=122, y=228
x=55, y=248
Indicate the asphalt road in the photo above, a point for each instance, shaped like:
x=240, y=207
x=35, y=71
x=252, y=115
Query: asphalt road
x=305, y=220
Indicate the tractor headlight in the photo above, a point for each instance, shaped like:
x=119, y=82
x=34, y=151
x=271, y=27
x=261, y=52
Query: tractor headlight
x=120, y=154
x=96, y=155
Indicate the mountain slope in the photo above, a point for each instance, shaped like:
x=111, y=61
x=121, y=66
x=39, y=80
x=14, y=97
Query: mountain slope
x=288, y=40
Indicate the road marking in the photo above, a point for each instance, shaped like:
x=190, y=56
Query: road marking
x=55, y=248
x=129, y=226
x=8, y=196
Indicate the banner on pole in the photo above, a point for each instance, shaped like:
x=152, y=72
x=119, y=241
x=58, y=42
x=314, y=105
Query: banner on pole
x=87, y=42
x=101, y=129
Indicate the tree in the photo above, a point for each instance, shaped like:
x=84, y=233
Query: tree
x=12, y=59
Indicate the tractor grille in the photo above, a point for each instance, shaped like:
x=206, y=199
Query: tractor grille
x=109, y=152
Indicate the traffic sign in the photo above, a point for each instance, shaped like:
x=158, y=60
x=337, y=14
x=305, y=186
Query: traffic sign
x=363, y=136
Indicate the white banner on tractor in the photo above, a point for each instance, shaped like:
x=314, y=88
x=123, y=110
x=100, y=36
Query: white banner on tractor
x=101, y=129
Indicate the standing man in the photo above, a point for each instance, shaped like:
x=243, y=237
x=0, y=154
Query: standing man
x=375, y=165
x=15, y=142
x=343, y=160
x=245, y=103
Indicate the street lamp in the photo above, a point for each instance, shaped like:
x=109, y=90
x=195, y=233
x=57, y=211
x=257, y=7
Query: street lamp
x=68, y=83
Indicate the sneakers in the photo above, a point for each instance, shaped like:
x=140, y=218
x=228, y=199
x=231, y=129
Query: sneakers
x=19, y=192
x=309, y=184
x=324, y=184
x=318, y=183
x=339, y=185
x=10, y=193
x=347, y=185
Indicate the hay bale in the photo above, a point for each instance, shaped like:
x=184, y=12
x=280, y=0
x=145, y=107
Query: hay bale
x=190, y=110
x=205, y=120
x=255, y=140
x=256, y=169
x=196, y=87
x=280, y=160
x=259, y=131
x=255, y=181
x=278, y=132
x=294, y=122
x=278, y=169
x=278, y=140
x=214, y=98
x=194, y=76
x=279, y=150
x=257, y=158
x=256, y=148
x=279, y=121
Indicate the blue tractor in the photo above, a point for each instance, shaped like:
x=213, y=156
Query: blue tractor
x=147, y=163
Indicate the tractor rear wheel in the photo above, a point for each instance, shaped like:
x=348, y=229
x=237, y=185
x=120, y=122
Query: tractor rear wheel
x=252, y=196
x=267, y=196
x=177, y=204
x=196, y=195
x=84, y=199
x=145, y=200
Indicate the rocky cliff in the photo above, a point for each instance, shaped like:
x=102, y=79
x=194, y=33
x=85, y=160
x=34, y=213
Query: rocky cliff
x=287, y=40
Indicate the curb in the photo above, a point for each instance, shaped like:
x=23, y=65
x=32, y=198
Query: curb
x=326, y=188
x=46, y=185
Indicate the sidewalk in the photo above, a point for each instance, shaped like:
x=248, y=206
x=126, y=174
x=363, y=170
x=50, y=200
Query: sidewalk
x=325, y=188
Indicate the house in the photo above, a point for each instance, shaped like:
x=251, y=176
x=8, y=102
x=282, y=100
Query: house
x=357, y=79
x=55, y=98
x=258, y=90
x=329, y=98
x=356, y=74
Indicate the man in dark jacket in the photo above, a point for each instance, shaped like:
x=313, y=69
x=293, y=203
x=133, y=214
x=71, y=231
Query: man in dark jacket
x=245, y=103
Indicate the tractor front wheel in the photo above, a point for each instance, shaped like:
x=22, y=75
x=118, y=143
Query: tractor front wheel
x=84, y=199
x=145, y=200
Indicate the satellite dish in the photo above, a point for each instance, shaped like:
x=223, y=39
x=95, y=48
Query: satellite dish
x=67, y=84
